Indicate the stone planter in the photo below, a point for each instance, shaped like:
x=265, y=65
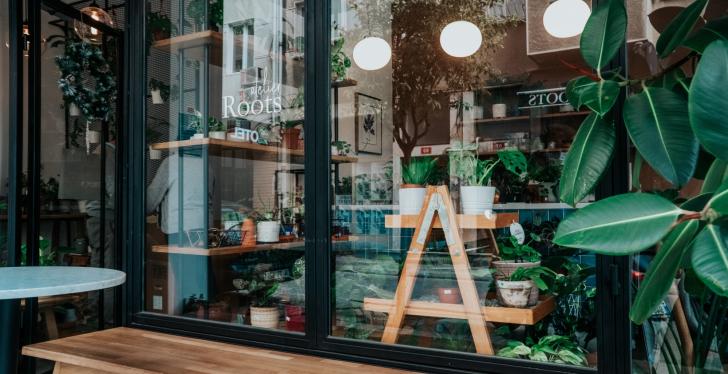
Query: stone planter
x=476, y=199
x=264, y=317
x=411, y=198
x=514, y=294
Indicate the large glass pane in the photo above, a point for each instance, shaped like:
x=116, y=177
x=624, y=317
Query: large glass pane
x=225, y=155
x=4, y=126
x=688, y=330
x=466, y=97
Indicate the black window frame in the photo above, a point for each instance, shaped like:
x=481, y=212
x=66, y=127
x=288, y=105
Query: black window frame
x=612, y=273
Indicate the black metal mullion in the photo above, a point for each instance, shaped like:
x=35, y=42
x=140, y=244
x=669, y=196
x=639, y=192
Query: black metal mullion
x=120, y=144
x=10, y=309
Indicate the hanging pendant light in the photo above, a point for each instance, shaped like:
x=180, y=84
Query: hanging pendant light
x=566, y=18
x=91, y=34
x=461, y=39
x=372, y=53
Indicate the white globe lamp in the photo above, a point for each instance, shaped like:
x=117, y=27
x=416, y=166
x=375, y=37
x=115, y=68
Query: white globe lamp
x=372, y=53
x=461, y=39
x=566, y=18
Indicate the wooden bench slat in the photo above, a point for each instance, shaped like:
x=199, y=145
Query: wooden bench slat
x=135, y=351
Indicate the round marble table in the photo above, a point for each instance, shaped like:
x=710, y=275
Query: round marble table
x=35, y=281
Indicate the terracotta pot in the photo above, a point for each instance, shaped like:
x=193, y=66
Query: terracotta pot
x=264, y=317
x=290, y=138
x=449, y=295
x=411, y=198
x=248, y=233
x=295, y=318
x=514, y=294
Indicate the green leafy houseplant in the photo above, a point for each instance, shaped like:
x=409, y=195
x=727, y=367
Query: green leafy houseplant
x=340, y=62
x=473, y=171
x=670, y=117
x=419, y=171
x=538, y=275
x=513, y=251
x=552, y=348
x=159, y=26
x=521, y=287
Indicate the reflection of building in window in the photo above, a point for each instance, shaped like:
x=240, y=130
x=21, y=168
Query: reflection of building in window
x=242, y=45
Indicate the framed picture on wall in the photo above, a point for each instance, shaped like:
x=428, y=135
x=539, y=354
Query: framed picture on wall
x=368, y=123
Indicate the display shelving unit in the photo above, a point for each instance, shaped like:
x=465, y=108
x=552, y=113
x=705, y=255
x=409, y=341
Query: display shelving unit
x=438, y=212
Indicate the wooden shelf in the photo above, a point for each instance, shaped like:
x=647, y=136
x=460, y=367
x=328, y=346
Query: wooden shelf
x=499, y=220
x=221, y=251
x=549, y=150
x=190, y=42
x=344, y=83
x=520, y=316
x=251, y=151
x=526, y=118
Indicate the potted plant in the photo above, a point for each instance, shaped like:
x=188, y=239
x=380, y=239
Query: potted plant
x=263, y=308
x=340, y=62
x=268, y=227
x=514, y=255
x=340, y=148
x=476, y=194
x=418, y=172
x=159, y=91
x=217, y=129
x=159, y=26
x=196, y=11
x=73, y=109
x=552, y=348
x=291, y=133
x=548, y=176
x=521, y=288
x=499, y=108
x=195, y=124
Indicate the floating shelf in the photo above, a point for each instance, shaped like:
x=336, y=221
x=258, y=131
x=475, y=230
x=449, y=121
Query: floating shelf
x=465, y=221
x=344, y=83
x=549, y=150
x=246, y=150
x=190, y=42
x=525, y=118
x=521, y=316
x=221, y=251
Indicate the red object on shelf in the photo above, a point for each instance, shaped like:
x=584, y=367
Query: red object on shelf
x=426, y=150
x=295, y=318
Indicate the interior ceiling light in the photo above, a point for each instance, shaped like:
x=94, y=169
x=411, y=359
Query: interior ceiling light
x=372, y=53
x=461, y=39
x=88, y=33
x=566, y=18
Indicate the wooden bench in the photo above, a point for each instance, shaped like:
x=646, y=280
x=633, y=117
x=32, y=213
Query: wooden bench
x=127, y=350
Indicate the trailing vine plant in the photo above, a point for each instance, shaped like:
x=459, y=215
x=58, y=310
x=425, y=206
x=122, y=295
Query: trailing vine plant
x=87, y=81
x=670, y=117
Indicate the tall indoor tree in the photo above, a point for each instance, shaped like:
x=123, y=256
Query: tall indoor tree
x=671, y=117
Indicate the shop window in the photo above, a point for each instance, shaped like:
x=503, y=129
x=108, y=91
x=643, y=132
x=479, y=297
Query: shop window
x=224, y=198
x=446, y=118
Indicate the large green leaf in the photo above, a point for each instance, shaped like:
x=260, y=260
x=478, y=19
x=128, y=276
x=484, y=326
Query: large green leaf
x=710, y=258
x=657, y=122
x=587, y=159
x=574, y=89
x=618, y=225
x=604, y=33
x=712, y=31
x=719, y=202
x=679, y=28
x=661, y=273
x=708, y=99
x=600, y=96
x=717, y=173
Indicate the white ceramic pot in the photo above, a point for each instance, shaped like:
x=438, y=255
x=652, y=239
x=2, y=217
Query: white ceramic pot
x=264, y=317
x=157, y=97
x=499, y=110
x=476, y=199
x=514, y=294
x=155, y=154
x=334, y=150
x=93, y=137
x=267, y=231
x=218, y=135
x=74, y=110
x=197, y=136
x=411, y=198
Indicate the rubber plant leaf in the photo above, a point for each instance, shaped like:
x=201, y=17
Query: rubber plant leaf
x=657, y=122
x=574, y=89
x=618, y=225
x=716, y=175
x=719, y=202
x=661, y=273
x=708, y=97
x=679, y=28
x=710, y=257
x=604, y=33
x=712, y=31
x=587, y=159
x=600, y=96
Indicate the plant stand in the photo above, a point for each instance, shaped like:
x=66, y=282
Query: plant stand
x=438, y=212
